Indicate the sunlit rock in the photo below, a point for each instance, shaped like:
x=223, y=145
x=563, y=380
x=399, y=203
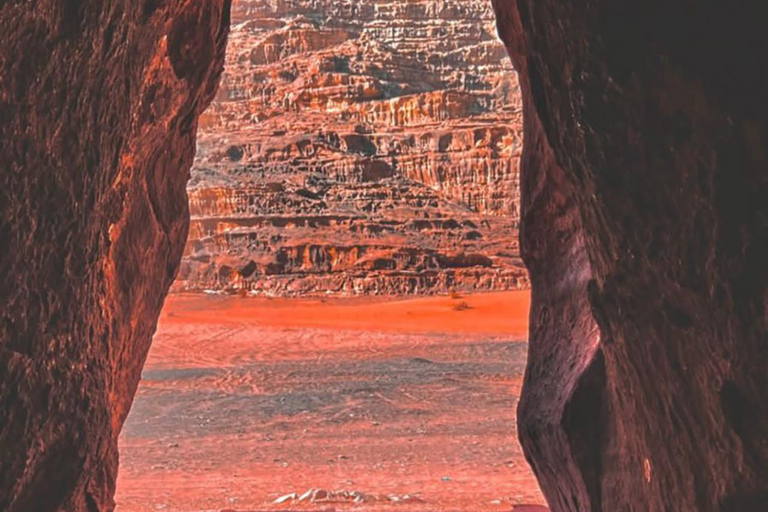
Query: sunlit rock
x=358, y=148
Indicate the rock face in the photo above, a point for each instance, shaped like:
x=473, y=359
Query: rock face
x=645, y=231
x=99, y=102
x=359, y=148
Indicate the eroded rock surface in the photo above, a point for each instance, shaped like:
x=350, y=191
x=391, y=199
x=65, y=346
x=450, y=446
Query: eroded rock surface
x=645, y=230
x=358, y=149
x=99, y=102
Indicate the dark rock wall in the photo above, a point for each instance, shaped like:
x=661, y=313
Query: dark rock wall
x=99, y=103
x=645, y=231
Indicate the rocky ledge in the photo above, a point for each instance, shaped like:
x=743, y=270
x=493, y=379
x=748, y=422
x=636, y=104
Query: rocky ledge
x=359, y=149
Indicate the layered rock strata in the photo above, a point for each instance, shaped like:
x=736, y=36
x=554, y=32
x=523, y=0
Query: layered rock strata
x=645, y=231
x=382, y=237
x=99, y=102
x=358, y=149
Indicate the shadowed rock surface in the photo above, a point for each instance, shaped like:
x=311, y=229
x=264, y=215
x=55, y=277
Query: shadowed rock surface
x=645, y=231
x=99, y=103
x=359, y=149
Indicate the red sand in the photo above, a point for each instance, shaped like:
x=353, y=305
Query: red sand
x=490, y=313
x=247, y=400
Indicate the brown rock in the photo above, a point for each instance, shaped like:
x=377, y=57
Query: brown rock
x=354, y=149
x=644, y=229
x=98, y=116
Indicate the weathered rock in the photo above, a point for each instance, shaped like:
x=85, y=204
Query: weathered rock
x=99, y=103
x=382, y=237
x=645, y=230
x=354, y=149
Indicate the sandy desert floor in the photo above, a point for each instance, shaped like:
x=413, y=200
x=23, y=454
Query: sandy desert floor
x=376, y=404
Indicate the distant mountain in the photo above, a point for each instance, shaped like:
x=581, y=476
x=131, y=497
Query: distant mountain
x=359, y=149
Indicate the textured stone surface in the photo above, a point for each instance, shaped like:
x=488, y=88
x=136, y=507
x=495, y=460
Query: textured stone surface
x=359, y=149
x=99, y=103
x=644, y=227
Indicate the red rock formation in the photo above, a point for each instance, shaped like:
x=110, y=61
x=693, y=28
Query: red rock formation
x=98, y=115
x=644, y=230
x=358, y=149
x=644, y=214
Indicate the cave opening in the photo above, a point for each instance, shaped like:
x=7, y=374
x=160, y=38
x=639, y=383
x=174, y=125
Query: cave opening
x=348, y=326
x=643, y=231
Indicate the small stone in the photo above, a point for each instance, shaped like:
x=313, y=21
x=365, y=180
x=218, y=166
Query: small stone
x=282, y=499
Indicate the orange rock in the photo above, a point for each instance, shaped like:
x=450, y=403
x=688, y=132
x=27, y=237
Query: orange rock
x=354, y=149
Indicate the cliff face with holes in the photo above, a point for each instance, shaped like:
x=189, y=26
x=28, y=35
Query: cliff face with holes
x=99, y=104
x=645, y=231
x=359, y=149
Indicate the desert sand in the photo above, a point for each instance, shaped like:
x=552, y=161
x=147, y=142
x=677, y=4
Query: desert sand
x=403, y=404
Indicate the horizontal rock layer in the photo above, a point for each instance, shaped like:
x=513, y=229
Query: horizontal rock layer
x=358, y=149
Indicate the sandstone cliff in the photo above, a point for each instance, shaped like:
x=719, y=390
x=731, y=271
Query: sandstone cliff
x=359, y=148
x=99, y=103
x=645, y=231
